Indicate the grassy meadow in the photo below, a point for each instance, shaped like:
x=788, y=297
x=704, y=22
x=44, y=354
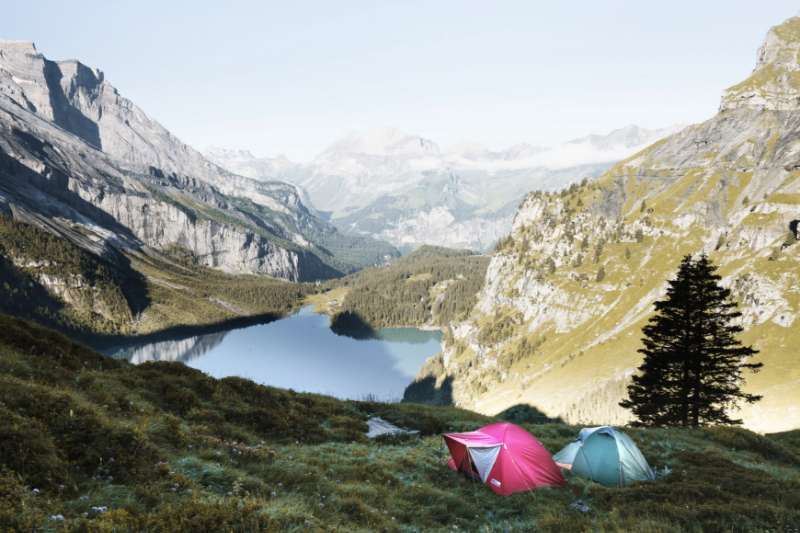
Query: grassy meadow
x=90, y=443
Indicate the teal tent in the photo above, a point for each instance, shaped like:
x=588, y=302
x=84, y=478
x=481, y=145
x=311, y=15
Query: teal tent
x=605, y=455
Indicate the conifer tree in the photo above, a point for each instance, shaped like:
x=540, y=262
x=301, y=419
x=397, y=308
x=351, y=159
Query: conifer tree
x=693, y=363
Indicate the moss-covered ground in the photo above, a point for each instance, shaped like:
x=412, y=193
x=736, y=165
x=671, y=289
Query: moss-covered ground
x=89, y=443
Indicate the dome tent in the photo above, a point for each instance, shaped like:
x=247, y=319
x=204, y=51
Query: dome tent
x=503, y=456
x=605, y=455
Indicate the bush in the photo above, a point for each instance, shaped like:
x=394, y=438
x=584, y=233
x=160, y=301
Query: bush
x=26, y=447
x=741, y=439
x=18, y=511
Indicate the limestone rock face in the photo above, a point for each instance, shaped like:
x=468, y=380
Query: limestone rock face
x=558, y=322
x=81, y=160
x=775, y=82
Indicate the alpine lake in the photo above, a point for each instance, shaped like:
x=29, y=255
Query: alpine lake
x=299, y=352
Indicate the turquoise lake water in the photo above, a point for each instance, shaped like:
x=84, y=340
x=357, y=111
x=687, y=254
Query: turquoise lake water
x=300, y=352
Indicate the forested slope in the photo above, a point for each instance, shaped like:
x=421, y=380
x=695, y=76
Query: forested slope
x=432, y=286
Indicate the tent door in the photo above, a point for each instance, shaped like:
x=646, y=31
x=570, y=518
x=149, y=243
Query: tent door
x=484, y=457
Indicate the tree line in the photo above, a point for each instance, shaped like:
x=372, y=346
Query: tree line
x=432, y=285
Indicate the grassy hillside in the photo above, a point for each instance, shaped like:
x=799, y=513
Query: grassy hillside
x=431, y=286
x=181, y=293
x=567, y=293
x=89, y=443
x=54, y=282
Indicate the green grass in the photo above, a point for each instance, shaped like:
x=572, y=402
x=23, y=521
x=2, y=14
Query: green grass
x=165, y=448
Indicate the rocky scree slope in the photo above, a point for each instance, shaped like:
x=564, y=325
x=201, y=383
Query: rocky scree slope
x=83, y=162
x=559, y=319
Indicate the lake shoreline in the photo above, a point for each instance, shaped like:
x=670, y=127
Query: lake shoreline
x=104, y=343
x=299, y=351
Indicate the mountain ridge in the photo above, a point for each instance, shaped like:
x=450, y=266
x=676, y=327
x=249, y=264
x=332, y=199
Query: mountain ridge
x=61, y=118
x=405, y=189
x=567, y=293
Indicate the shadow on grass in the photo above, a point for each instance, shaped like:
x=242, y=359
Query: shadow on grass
x=525, y=413
x=426, y=391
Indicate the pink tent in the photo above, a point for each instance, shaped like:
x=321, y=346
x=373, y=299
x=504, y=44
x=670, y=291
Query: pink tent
x=505, y=457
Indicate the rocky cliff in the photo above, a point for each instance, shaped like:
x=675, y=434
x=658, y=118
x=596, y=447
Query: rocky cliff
x=559, y=320
x=80, y=160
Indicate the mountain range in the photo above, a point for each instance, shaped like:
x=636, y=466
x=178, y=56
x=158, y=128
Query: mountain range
x=104, y=211
x=81, y=161
x=558, y=322
x=406, y=190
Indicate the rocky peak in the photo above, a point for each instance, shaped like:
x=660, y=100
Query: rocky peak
x=11, y=48
x=63, y=92
x=775, y=81
x=567, y=293
x=382, y=142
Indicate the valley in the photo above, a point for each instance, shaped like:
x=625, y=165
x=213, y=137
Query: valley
x=207, y=340
x=108, y=238
x=409, y=191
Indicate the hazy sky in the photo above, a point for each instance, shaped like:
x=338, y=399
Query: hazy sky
x=291, y=76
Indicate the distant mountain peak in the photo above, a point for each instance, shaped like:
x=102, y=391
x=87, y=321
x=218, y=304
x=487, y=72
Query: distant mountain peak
x=382, y=142
x=219, y=152
x=630, y=136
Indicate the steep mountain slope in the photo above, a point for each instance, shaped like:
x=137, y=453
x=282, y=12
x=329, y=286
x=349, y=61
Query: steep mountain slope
x=407, y=190
x=51, y=280
x=83, y=162
x=559, y=320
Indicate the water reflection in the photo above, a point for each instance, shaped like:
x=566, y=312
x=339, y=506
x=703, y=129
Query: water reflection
x=182, y=350
x=302, y=353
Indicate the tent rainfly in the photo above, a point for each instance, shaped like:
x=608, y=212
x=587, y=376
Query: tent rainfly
x=605, y=455
x=505, y=457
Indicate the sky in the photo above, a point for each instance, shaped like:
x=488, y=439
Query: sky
x=291, y=77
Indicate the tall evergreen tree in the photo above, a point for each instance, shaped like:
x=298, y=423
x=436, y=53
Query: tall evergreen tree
x=693, y=363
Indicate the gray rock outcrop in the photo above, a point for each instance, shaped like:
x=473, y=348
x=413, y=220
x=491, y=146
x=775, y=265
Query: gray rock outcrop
x=79, y=159
x=567, y=294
